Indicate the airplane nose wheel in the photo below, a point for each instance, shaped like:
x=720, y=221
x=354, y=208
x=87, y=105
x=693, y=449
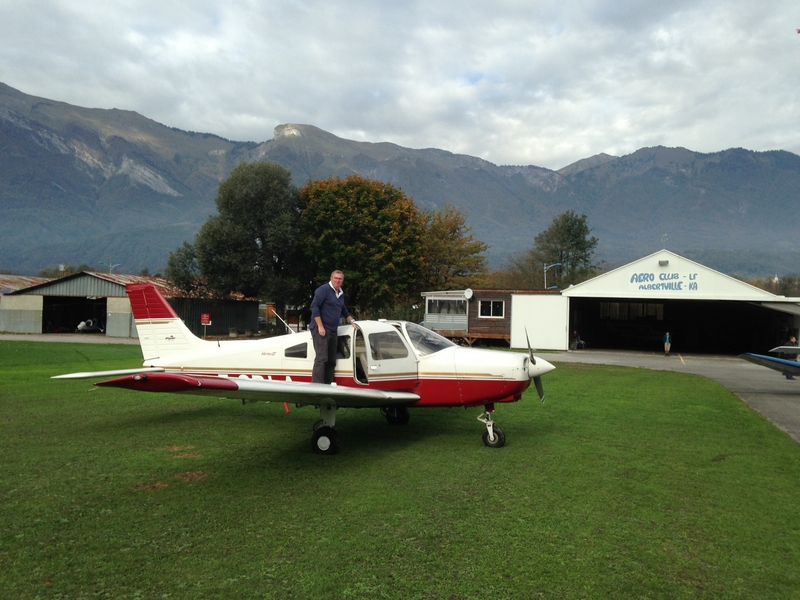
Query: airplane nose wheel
x=493, y=437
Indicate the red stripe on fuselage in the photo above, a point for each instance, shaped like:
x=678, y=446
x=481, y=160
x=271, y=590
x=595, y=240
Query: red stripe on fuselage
x=439, y=391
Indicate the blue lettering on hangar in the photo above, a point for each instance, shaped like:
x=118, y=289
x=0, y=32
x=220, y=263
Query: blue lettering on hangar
x=674, y=282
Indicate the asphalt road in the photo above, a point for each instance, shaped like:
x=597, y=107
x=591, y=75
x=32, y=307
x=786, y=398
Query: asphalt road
x=765, y=391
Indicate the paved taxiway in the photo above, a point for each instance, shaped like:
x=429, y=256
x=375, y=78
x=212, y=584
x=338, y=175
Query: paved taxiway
x=765, y=391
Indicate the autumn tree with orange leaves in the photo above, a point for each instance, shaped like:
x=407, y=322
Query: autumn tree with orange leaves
x=370, y=230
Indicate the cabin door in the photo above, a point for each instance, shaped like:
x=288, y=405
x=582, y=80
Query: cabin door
x=382, y=357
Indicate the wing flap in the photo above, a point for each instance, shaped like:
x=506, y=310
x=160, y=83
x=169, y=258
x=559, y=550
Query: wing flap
x=261, y=390
x=96, y=374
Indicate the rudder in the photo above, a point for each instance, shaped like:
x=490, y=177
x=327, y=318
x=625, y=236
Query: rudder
x=161, y=331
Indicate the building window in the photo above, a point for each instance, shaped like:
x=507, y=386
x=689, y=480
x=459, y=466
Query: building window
x=446, y=307
x=492, y=309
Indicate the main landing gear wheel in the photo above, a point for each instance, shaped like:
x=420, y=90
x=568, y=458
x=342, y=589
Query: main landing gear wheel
x=325, y=440
x=396, y=415
x=499, y=438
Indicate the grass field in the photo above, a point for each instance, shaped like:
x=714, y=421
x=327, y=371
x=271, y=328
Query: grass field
x=628, y=483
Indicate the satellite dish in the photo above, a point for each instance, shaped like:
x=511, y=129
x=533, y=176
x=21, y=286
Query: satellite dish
x=468, y=293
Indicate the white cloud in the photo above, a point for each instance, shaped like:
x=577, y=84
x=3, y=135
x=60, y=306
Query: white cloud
x=515, y=82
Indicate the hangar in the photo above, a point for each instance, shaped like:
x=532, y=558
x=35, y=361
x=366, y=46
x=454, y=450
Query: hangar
x=99, y=299
x=60, y=305
x=631, y=308
x=705, y=311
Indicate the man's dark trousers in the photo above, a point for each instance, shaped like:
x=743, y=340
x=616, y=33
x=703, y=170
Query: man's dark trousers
x=325, y=355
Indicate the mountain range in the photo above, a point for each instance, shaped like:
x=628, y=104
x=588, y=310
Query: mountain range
x=81, y=185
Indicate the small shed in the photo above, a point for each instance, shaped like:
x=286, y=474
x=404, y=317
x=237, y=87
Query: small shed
x=486, y=316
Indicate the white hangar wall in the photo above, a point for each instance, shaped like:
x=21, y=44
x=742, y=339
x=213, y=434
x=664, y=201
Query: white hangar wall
x=21, y=314
x=545, y=318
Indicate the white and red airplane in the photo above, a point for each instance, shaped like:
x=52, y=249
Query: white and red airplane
x=391, y=365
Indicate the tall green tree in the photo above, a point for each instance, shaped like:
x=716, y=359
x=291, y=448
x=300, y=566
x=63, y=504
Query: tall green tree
x=454, y=258
x=567, y=241
x=249, y=247
x=368, y=229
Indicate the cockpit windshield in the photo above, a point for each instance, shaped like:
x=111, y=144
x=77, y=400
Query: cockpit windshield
x=426, y=341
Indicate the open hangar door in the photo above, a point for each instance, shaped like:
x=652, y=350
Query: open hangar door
x=63, y=314
x=696, y=326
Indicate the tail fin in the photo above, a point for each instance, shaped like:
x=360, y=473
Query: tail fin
x=162, y=333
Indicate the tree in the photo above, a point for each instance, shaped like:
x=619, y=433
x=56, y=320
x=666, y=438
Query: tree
x=182, y=269
x=368, y=229
x=566, y=241
x=453, y=257
x=64, y=270
x=249, y=246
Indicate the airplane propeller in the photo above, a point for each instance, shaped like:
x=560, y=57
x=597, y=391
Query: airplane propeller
x=537, y=379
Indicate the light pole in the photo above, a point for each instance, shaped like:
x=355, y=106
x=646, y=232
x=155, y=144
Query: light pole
x=110, y=266
x=546, y=267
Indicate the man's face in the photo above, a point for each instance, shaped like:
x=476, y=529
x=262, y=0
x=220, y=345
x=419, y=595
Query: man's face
x=337, y=279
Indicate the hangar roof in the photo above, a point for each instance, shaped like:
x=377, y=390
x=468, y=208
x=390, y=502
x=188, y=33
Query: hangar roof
x=90, y=283
x=665, y=275
x=12, y=283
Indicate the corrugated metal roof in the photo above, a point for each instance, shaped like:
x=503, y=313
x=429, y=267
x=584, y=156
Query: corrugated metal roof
x=104, y=285
x=12, y=283
x=91, y=283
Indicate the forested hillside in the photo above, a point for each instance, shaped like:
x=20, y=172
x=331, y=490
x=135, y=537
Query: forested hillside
x=83, y=185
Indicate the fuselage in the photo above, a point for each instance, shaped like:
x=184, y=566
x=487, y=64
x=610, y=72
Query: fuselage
x=382, y=355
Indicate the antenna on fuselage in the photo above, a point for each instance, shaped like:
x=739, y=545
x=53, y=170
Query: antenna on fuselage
x=285, y=324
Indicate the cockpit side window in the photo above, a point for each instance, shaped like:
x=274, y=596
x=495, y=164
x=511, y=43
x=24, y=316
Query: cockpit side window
x=298, y=351
x=387, y=345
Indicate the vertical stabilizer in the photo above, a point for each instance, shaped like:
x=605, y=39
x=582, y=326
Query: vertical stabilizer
x=162, y=333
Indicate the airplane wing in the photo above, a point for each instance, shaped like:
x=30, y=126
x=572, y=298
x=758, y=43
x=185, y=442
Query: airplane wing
x=787, y=349
x=259, y=389
x=786, y=367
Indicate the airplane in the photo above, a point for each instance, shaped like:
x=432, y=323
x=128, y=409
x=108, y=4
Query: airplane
x=785, y=366
x=385, y=364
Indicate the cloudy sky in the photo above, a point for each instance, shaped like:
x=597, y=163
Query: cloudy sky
x=542, y=82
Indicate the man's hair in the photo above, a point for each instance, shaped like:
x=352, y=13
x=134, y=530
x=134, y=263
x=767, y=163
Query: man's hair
x=337, y=271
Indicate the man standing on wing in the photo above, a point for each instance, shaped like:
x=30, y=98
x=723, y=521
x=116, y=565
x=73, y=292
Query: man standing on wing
x=327, y=308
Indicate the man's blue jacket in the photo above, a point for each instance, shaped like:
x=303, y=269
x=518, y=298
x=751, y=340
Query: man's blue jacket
x=327, y=306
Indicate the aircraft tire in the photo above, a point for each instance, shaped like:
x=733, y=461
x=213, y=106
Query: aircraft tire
x=325, y=440
x=397, y=415
x=499, y=438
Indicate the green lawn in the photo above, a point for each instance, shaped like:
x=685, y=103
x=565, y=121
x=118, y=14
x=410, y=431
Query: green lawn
x=628, y=483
